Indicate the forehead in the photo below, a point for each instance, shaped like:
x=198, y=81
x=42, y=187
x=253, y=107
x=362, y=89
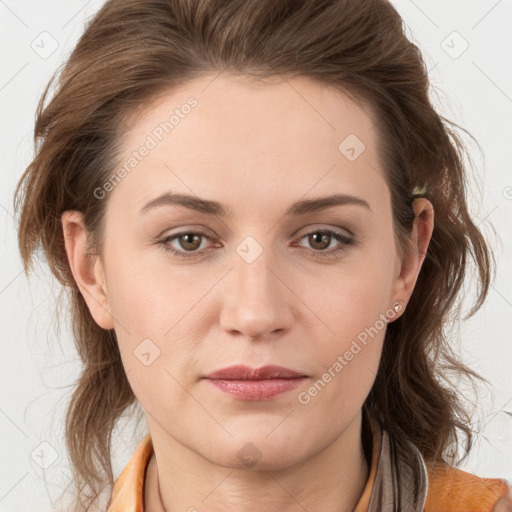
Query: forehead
x=226, y=135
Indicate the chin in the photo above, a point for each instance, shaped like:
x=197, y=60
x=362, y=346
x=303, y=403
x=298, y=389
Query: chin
x=258, y=452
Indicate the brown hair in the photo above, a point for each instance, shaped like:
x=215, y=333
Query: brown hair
x=134, y=50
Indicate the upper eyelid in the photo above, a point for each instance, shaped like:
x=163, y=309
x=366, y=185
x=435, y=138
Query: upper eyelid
x=308, y=229
x=316, y=227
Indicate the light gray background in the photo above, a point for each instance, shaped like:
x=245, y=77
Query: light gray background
x=39, y=366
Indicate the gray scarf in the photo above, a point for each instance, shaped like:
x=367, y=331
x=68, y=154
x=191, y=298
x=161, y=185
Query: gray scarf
x=399, y=486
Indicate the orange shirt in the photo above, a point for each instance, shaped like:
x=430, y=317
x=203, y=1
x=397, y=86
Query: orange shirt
x=449, y=489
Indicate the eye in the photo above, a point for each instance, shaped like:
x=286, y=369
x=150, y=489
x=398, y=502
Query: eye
x=319, y=240
x=188, y=240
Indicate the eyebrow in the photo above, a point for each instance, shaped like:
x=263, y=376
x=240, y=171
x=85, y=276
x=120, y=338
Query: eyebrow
x=214, y=208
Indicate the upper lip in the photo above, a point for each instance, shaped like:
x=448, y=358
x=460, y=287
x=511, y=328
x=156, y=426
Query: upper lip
x=242, y=372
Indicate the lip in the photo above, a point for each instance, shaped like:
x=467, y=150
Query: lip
x=242, y=372
x=262, y=383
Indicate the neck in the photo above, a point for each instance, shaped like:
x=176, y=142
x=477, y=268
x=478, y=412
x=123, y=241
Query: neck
x=180, y=479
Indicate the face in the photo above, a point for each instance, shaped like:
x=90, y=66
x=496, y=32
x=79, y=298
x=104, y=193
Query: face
x=259, y=281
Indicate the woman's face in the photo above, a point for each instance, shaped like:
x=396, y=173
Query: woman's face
x=264, y=282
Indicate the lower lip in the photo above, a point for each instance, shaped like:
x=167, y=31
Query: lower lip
x=256, y=389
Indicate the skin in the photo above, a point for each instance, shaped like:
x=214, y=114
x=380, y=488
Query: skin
x=255, y=148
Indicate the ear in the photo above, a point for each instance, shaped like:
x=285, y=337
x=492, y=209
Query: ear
x=87, y=268
x=414, y=256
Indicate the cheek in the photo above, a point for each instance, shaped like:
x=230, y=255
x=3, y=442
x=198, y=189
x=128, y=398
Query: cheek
x=354, y=309
x=148, y=295
x=348, y=360
x=145, y=309
x=355, y=295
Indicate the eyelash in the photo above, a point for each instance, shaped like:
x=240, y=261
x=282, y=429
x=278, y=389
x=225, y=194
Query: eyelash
x=163, y=243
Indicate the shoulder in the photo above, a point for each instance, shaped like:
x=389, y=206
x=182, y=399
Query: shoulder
x=455, y=490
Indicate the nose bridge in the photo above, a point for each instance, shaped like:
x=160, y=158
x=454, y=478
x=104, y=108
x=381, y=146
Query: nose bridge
x=253, y=272
x=255, y=300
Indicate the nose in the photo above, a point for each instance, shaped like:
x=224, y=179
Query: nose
x=256, y=302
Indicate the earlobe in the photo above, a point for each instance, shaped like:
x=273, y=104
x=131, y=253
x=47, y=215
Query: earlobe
x=414, y=257
x=86, y=268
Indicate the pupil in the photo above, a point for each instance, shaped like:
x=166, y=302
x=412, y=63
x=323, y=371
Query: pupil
x=320, y=236
x=189, y=238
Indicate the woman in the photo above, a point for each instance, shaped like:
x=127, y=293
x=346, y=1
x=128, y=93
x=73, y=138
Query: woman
x=262, y=222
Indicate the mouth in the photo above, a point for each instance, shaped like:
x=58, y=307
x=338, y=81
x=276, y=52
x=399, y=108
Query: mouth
x=262, y=383
x=242, y=372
